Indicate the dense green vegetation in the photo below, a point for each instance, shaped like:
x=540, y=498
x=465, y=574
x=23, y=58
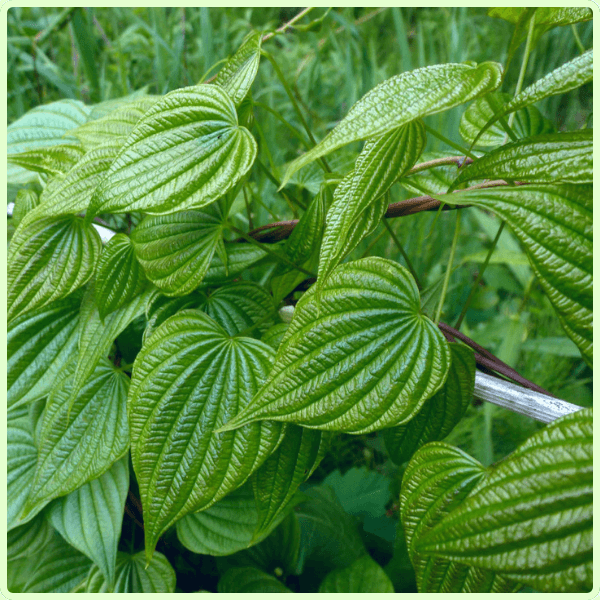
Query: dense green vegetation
x=119, y=317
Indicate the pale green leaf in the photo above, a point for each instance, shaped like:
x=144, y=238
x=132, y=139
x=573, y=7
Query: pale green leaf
x=275, y=483
x=40, y=342
x=134, y=577
x=90, y=517
x=186, y=152
x=41, y=127
x=176, y=250
x=102, y=109
x=440, y=413
x=436, y=481
x=405, y=98
x=362, y=359
x=554, y=223
x=362, y=576
x=237, y=75
x=51, y=160
x=29, y=539
x=544, y=15
x=355, y=213
x=530, y=518
x=48, y=260
x=57, y=568
x=119, y=276
x=559, y=346
x=250, y=580
x=25, y=202
x=565, y=157
x=189, y=378
x=79, y=443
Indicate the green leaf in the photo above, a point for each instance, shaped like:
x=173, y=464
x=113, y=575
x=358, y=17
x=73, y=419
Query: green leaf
x=226, y=527
x=436, y=481
x=360, y=492
x=186, y=152
x=528, y=121
x=25, y=201
x=57, y=568
x=134, y=577
x=90, y=517
x=41, y=127
x=273, y=336
x=435, y=180
x=115, y=126
x=530, y=518
x=275, y=483
x=176, y=250
x=362, y=576
x=249, y=580
x=48, y=260
x=239, y=306
x=239, y=258
x=558, y=346
x=544, y=16
x=119, y=276
x=237, y=75
x=440, y=413
x=97, y=336
x=362, y=359
x=568, y=76
x=79, y=443
x=554, y=223
x=29, y=539
x=405, y=98
x=355, y=212
x=201, y=377
x=564, y=157
x=53, y=160
x=40, y=342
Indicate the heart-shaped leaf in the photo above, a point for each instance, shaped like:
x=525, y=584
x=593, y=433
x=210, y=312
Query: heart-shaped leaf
x=362, y=359
x=189, y=378
x=440, y=413
x=90, y=518
x=48, y=260
x=186, y=152
x=554, y=223
x=176, y=250
x=530, y=518
x=362, y=576
x=402, y=99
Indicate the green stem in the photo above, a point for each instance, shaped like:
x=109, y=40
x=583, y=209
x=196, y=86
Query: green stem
x=577, y=38
x=404, y=255
x=449, y=268
x=293, y=20
x=450, y=143
x=528, y=46
x=248, y=211
x=479, y=278
x=270, y=252
x=289, y=199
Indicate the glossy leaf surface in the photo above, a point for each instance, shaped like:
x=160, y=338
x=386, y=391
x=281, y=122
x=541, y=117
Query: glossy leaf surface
x=363, y=576
x=185, y=152
x=189, y=378
x=530, y=518
x=239, y=258
x=362, y=359
x=404, y=98
x=54, y=160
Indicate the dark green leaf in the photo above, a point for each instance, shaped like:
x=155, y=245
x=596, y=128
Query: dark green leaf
x=362, y=576
x=249, y=580
x=239, y=258
x=29, y=539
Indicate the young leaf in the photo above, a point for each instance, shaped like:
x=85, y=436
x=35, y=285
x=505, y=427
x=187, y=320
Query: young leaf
x=119, y=276
x=362, y=576
x=25, y=202
x=564, y=157
x=349, y=219
x=40, y=342
x=176, y=250
x=54, y=160
x=48, y=260
x=41, y=127
x=530, y=518
x=226, y=527
x=250, y=580
x=362, y=359
x=79, y=443
x=436, y=481
x=90, y=518
x=275, y=483
x=237, y=75
x=554, y=223
x=440, y=413
x=189, y=378
x=569, y=76
x=402, y=99
x=134, y=576
x=186, y=152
